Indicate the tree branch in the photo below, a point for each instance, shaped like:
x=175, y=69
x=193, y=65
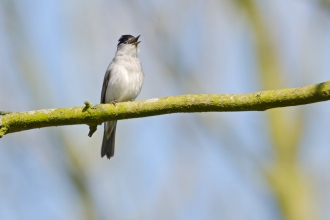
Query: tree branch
x=94, y=115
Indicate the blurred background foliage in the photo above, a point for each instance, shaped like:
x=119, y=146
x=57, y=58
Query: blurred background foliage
x=248, y=165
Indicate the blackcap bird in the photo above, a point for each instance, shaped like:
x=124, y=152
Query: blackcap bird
x=122, y=82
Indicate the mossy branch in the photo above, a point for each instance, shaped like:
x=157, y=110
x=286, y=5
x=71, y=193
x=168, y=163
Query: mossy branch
x=94, y=115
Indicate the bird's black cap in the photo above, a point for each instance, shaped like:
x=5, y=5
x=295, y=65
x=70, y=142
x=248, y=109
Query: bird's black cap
x=128, y=39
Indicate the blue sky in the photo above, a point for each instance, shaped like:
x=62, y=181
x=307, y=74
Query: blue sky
x=182, y=166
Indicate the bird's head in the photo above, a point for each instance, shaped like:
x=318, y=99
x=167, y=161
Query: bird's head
x=128, y=45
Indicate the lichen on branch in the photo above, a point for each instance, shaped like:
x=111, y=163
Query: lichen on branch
x=94, y=115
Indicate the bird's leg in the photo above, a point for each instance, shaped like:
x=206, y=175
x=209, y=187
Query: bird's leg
x=113, y=102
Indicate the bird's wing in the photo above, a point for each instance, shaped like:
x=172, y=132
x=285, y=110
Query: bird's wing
x=105, y=85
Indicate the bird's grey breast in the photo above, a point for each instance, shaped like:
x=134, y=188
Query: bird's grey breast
x=126, y=78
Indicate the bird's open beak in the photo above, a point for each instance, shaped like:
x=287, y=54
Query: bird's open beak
x=136, y=41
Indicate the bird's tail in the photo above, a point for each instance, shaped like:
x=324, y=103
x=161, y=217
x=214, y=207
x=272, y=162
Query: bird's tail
x=109, y=135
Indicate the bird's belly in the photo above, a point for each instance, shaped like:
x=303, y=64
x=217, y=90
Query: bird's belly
x=124, y=87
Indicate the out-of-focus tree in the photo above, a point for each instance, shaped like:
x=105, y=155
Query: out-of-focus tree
x=289, y=183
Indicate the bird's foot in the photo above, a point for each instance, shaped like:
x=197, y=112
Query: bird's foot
x=113, y=102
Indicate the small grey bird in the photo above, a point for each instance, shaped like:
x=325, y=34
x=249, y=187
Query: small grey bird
x=122, y=82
